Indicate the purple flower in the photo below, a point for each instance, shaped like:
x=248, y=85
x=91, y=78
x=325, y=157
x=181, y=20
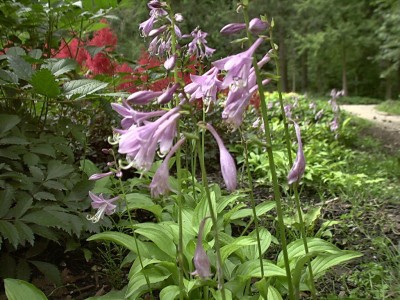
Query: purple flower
x=100, y=175
x=168, y=94
x=205, y=86
x=334, y=124
x=103, y=206
x=200, y=260
x=159, y=184
x=158, y=31
x=299, y=165
x=257, y=26
x=143, y=97
x=140, y=143
x=228, y=167
x=198, y=46
x=233, y=28
x=319, y=114
x=133, y=117
x=288, y=110
x=169, y=64
x=178, y=17
x=238, y=66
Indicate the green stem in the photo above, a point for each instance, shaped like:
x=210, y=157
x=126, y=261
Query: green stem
x=179, y=199
x=289, y=151
x=277, y=193
x=134, y=232
x=200, y=152
x=253, y=204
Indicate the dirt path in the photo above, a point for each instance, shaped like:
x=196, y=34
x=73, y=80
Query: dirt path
x=387, y=127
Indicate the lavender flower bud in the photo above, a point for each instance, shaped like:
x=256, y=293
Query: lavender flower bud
x=299, y=165
x=143, y=97
x=257, y=26
x=200, y=259
x=169, y=64
x=232, y=28
x=168, y=94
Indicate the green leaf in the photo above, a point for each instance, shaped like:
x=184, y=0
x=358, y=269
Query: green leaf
x=45, y=149
x=36, y=172
x=25, y=232
x=44, y=196
x=18, y=289
x=61, y=66
x=237, y=244
x=93, y=50
x=7, y=77
x=6, y=197
x=31, y=159
x=52, y=184
x=160, y=235
x=138, y=285
x=141, y=201
x=83, y=87
x=96, y=5
x=35, y=53
x=260, y=210
x=8, y=122
x=24, y=202
x=13, y=140
x=325, y=261
x=49, y=270
x=20, y=67
x=8, y=231
x=169, y=292
x=56, y=169
x=251, y=252
x=15, y=51
x=252, y=268
x=44, y=83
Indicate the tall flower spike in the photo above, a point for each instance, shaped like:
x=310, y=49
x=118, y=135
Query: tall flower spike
x=228, y=167
x=299, y=164
x=159, y=184
x=103, y=206
x=200, y=259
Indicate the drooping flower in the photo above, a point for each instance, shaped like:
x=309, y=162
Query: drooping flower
x=233, y=28
x=228, y=167
x=140, y=143
x=168, y=94
x=169, y=64
x=200, y=260
x=299, y=164
x=103, y=206
x=133, y=117
x=238, y=66
x=159, y=184
x=334, y=125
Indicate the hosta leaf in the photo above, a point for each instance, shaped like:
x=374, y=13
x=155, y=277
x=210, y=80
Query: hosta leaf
x=138, y=283
x=260, y=210
x=15, y=51
x=237, y=244
x=160, y=235
x=140, y=201
x=8, y=231
x=251, y=252
x=169, y=292
x=20, y=67
x=325, y=261
x=7, y=122
x=252, y=268
x=18, y=289
x=83, y=87
x=44, y=83
x=7, y=77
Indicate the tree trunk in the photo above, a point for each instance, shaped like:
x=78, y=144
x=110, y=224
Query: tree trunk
x=304, y=72
x=344, y=72
x=283, y=60
x=388, y=85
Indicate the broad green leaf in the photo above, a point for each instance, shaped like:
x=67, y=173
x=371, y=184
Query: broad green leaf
x=35, y=53
x=260, y=210
x=20, y=67
x=141, y=201
x=83, y=87
x=252, y=268
x=44, y=83
x=137, y=284
x=56, y=169
x=36, y=172
x=169, y=292
x=44, y=217
x=315, y=245
x=18, y=289
x=8, y=231
x=112, y=295
x=61, y=66
x=88, y=167
x=15, y=51
x=237, y=244
x=7, y=122
x=325, y=261
x=13, y=140
x=24, y=202
x=265, y=240
x=273, y=294
x=6, y=197
x=45, y=149
x=160, y=235
x=7, y=77
x=44, y=196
